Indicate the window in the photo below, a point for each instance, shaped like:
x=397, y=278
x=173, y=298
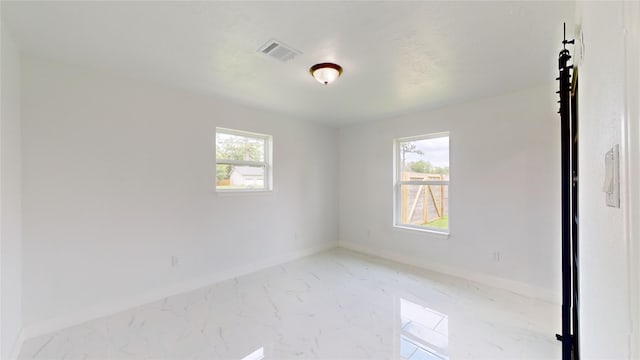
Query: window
x=243, y=161
x=422, y=182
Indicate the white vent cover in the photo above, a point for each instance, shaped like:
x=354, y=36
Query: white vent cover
x=278, y=50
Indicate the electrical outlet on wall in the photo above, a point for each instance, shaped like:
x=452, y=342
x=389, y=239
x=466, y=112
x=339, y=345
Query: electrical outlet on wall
x=496, y=256
x=174, y=261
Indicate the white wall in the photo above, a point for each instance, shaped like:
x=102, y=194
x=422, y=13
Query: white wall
x=632, y=78
x=632, y=22
x=119, y=176
x=504, y=191
x=10, y=199
x=606, y=100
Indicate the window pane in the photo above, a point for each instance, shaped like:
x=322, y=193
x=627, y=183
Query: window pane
x=424, y=159
x=236, y=147
x=424, y=205
x=239, y=177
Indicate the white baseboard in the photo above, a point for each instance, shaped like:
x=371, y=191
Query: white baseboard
x=17, y=346
x=121, y=304
x=493, y=281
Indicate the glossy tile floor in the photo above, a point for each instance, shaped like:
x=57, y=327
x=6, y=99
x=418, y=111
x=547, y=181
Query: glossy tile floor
x=333, y=305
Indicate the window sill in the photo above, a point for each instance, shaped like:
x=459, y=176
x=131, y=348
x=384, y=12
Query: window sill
x=242, y=192
x=422, y=230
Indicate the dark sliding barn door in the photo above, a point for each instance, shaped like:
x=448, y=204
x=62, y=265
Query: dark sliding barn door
x=569, y=161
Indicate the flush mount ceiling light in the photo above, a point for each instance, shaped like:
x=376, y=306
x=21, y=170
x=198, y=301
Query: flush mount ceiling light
x=325, y=73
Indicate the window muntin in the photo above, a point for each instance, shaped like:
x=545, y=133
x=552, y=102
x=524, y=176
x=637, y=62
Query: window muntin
x=422, y=182
x=243, y=161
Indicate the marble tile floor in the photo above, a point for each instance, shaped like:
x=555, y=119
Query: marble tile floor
x=333, y=305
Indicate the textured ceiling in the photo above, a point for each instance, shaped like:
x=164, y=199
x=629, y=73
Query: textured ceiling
x=398, y=57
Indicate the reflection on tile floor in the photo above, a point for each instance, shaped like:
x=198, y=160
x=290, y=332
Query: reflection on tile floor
x=424, y=332
x=333, y=305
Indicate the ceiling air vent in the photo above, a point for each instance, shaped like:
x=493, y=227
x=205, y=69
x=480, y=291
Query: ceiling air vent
x=276, y=49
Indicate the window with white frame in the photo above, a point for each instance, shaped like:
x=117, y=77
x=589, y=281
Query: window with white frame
x=421, y=182
x=243, y=161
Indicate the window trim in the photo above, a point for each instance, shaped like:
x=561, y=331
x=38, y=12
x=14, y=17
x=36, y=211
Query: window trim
x=267, y=163
x=397, y=183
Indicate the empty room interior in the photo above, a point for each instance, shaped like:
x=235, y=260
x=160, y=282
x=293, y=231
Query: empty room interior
x=320, y=180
